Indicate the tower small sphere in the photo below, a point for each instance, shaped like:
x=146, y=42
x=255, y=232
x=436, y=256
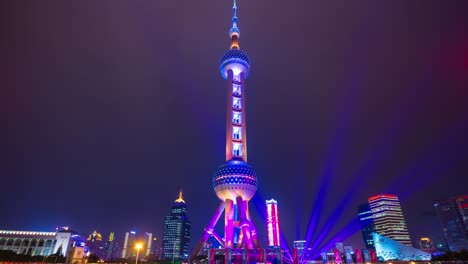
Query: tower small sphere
x=233, y=179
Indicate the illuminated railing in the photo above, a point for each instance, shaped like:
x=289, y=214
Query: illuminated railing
x=27, y=233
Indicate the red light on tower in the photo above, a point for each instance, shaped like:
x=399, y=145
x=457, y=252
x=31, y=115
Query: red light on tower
x=273, y=223
x=375, y=197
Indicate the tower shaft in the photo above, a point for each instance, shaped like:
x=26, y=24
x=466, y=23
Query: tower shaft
x=236, y=130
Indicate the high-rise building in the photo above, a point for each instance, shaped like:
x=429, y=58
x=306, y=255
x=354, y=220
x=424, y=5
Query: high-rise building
x=110, y=246
x=366, y=224
x=96, y=245
x=299, y=245
x=453, y=216
x=340, y=246
x=387, y=219
x=235, y=182
x=130, y=242
x=273, y=229
x=176, y=236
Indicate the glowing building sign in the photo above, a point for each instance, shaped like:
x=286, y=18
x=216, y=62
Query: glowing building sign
x=273, y=223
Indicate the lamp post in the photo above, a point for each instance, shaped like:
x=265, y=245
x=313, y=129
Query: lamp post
x=138, y=247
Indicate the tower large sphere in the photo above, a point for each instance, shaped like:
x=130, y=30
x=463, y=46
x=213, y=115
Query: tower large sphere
x=233, y=179
x=235, y=60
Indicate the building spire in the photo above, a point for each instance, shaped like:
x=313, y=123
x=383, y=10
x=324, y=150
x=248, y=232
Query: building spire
x=234, y=32
x=181, y=198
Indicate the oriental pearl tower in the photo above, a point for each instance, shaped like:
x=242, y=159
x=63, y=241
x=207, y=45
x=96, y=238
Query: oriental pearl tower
x=234, y=182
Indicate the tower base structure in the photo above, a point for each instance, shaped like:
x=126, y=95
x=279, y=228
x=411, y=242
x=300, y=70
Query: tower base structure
x=239, y=256
x=235, y=183
x=240, y=244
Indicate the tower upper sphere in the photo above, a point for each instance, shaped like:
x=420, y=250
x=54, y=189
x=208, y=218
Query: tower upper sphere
x=235, y=60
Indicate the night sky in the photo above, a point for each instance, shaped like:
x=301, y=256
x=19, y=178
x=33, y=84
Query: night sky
x=112, y=106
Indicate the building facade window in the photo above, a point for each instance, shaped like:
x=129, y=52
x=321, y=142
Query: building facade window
x=236, y=132
x=237, y=149
x=236, y=117
x=25, y=243
x=236, y=103
x=236, y=90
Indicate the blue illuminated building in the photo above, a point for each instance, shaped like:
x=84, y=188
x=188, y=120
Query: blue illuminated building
x=366, y=224
x=176, y=236
x=385, y=217
x=389, y=249
x=453, y=216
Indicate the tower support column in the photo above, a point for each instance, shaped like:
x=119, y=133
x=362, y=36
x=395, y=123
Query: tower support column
x=254, y=232
x=244, y=224
x=229, y=224
x=208, y=230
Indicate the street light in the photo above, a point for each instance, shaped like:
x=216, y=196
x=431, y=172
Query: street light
x=138, y=246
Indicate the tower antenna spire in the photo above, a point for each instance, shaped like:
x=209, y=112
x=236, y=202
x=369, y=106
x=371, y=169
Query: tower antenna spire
x=234, y=33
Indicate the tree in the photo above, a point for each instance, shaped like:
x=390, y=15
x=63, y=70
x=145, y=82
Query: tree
x=93, y=258
x=59, y=251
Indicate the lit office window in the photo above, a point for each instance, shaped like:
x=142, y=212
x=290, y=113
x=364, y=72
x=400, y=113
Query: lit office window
x=236, y=103
x=236, y=132
x=237, y=149
x=236, y=117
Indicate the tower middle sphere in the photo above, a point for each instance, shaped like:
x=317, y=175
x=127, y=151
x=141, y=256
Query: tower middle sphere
x=233, y=179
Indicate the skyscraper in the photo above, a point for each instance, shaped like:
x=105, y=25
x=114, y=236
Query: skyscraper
x=366, y=224
x=95, y=244
x=387, y=218
x=235, y=182
x=299, y=245
x=453, y=216
x=273, y=229
x=176, y=236
x=132, y=239
x=128, y=244
x=110, y=247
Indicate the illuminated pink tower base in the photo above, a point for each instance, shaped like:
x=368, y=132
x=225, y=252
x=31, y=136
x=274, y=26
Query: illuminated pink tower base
x=235, y=182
